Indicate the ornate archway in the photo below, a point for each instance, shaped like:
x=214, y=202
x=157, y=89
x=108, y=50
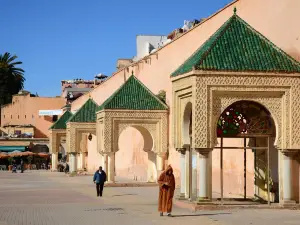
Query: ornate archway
x=57, y=133
x=152, y=125
x=79, y=127
x=133, y=105
x=252, y=122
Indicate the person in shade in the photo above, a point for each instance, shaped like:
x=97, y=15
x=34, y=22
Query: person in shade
x=166, y=183
x=99, y=179
x=22, y=166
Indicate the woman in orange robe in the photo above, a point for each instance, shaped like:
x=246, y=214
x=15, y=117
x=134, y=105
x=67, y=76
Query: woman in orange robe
x=166, y=183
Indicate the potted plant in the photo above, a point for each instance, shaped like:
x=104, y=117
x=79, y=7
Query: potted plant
x=29, y=159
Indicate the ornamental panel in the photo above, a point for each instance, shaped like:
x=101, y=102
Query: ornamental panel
x=113, y=122
x=249, y=88
x=75, y=133
x=55, y=139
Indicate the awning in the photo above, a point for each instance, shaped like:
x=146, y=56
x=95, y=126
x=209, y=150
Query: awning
x=14, y=143
x=12, y=148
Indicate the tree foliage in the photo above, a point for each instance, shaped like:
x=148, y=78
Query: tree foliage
x=11, y=77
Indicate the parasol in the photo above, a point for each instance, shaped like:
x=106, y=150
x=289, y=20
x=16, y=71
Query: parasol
x=43, y=154
x=3, y=155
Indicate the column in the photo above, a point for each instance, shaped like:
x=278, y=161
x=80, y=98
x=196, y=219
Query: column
x=54, y=161
x=287, y=177
x=82, y=160
x=203, y=179
x=104, y=162
x=151, y=170
x=182, y=172
x=73, y=162
x=160, y=161
x=111, y=167
x=187, y=174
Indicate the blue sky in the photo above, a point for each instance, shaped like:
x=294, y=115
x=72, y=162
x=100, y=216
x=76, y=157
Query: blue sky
x=66, y=39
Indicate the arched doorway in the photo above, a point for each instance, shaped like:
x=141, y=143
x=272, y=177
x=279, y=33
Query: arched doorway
x=135, y=159
x=248, y=158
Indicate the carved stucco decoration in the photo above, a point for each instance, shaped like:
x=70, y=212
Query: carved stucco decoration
x=110, y=125
x=76, y=133
x=55, y=139
x=214, y=92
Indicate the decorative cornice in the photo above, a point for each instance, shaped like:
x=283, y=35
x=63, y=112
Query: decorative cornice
x=290, y=152
x=203, y=151
x=181, y=150
x=162, y=154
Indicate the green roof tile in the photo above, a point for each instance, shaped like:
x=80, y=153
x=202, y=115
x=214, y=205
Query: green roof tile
x=61, y=122
x=135, y=96
x=86, y=114
x=236, y=46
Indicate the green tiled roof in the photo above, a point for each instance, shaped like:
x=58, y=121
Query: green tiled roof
x=61, y=122
x=86, y=114
x=135, y=96
x=236, y=46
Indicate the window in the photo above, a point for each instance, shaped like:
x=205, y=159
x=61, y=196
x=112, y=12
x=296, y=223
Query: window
x=32, y=116
x=18, y=117
x=11, y=116
x=54, y=118
x=25, y=116
x=3, y=116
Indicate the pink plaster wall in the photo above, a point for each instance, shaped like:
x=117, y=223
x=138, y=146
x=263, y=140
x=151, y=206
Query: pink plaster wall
x=275, y=21
x=93, y=157
x=233, y=170
x=131, y=160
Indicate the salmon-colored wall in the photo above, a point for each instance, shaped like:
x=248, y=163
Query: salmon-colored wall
x=278, y=21
x=94, y=157
x=25, y=110
x=131, y=160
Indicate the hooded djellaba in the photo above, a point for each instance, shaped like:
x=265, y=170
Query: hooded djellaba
x=166, y=183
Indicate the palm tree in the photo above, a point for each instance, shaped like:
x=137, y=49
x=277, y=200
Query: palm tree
x=11, y=77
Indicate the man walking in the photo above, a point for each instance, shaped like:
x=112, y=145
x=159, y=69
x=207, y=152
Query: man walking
x=166, y=183
x=99, y=180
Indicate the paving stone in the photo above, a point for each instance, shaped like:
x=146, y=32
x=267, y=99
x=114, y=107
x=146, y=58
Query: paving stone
x=44, y=198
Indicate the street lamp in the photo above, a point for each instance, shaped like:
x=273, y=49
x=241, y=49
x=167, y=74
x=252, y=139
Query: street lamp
x=90, y=137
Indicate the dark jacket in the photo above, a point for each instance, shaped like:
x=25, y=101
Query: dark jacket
x=99, y=178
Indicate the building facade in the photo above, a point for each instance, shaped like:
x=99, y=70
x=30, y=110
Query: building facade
x=232, y=109
x=21, y=118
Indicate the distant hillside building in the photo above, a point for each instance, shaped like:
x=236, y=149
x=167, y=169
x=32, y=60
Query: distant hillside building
x=73, y=89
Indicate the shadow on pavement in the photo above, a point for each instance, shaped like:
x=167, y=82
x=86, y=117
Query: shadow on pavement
x=206, y=214
x=122, y=195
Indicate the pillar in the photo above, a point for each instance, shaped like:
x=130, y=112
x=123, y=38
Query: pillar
x=287, y=177
x=182, y=172
x=151, y=170
x=73, y=162
x=160, y=161
x=82, y=160
x=111, y=167
x=203, y=179
x=104, y=162
x=187, y=173
x=54, y=161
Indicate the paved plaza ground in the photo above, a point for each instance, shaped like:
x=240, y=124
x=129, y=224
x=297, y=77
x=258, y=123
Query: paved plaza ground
x=42, y=198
